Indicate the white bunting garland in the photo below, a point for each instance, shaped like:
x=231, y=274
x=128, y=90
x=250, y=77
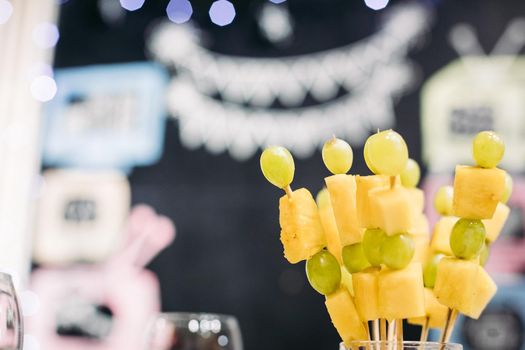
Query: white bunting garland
x=374, y=71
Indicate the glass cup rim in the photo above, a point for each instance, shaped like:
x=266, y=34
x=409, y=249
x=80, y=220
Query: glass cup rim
x=412, y=343
x=188, y=315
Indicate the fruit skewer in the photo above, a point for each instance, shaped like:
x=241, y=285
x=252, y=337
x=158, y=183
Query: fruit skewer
x=377, y=236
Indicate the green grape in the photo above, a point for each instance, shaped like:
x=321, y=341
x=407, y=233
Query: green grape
x=372, y=240
x=487, y=149
x=443, y=200
x=323, y=198
x=277, y=166
x=398, y=251
x=430, y=270
x=411, y=174
x=386, y=153
x=467, y=238
x=484, y=254
x=508, y=188
x=354, y=258
x=323, y=272
x=367, y=159
x=337, y=156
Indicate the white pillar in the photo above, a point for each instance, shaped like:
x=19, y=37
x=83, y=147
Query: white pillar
x=20, y=122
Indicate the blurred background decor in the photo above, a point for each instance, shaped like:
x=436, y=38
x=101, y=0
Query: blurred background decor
x=107, y=105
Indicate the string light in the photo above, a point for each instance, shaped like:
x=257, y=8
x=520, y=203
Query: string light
x=179, y=11
x=43, y=88
x=46, y=35
x=131, y=5
x=376, y=4
x=222, y=12
x=6, y=10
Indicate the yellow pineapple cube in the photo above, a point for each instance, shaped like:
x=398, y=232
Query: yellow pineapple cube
x=366, y=184
x=421, y=226
x=301, y=231
x=463, y=285
x=344, y=316
x=441, y=235
x=477, y=191
x=342, y=189
x=417, y=198
x=435, y=311
x=333, y=242
x=347, y=280
x=393, y=210
x=365, y=292
x=494, y=226
x=421, y=248
x=401, y=292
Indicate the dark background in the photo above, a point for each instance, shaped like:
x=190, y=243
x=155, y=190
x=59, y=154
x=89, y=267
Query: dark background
x=227, y=257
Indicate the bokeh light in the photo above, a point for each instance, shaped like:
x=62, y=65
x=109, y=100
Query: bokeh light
x=46, y=35
x=30, y=303
x=376, y=4
x=277, y=1
x=43, y=88
x=222, y=12
x=30, y=343
x=6, y=10
x=132, y=5
x=179, y=11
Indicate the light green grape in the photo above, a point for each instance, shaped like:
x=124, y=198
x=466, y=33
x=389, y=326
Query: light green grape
x=430, y=270
x=467, y=238
x=484, y=254
x=337, y=156
x=277, y=166
x=323, y=272
x=354, y=258
x=386, y=153
x=411, y=174
x=323, y=198
x=487, y=149
x=397, y=251
x=443, y=200
x=372, y=240
x=508, y=188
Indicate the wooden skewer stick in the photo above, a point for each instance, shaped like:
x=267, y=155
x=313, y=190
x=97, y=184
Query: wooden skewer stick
x=399, y=330
x=288, y=191
x=452, y=315
x=382, y=329
x=424, y=330
x=392, y=181
x=375, y=330
x=391, y=334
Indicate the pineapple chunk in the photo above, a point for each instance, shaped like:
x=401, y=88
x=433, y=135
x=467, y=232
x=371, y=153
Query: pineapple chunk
x=435, y=311
x=393, y=210
x=463, y=285
x=421, y=248
x=333, y=242
x=365, y=184
x=401, y=292
x=417, y=198
x=495, y=225
x=365, y=292
x=346, y=280
x=342, y=189
x=421, y=226
x=301, y=231
x=441, y=235
x=344, y=316
x=477, y=191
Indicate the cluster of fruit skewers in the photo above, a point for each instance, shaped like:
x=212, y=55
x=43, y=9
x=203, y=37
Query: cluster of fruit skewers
x=366, y=241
